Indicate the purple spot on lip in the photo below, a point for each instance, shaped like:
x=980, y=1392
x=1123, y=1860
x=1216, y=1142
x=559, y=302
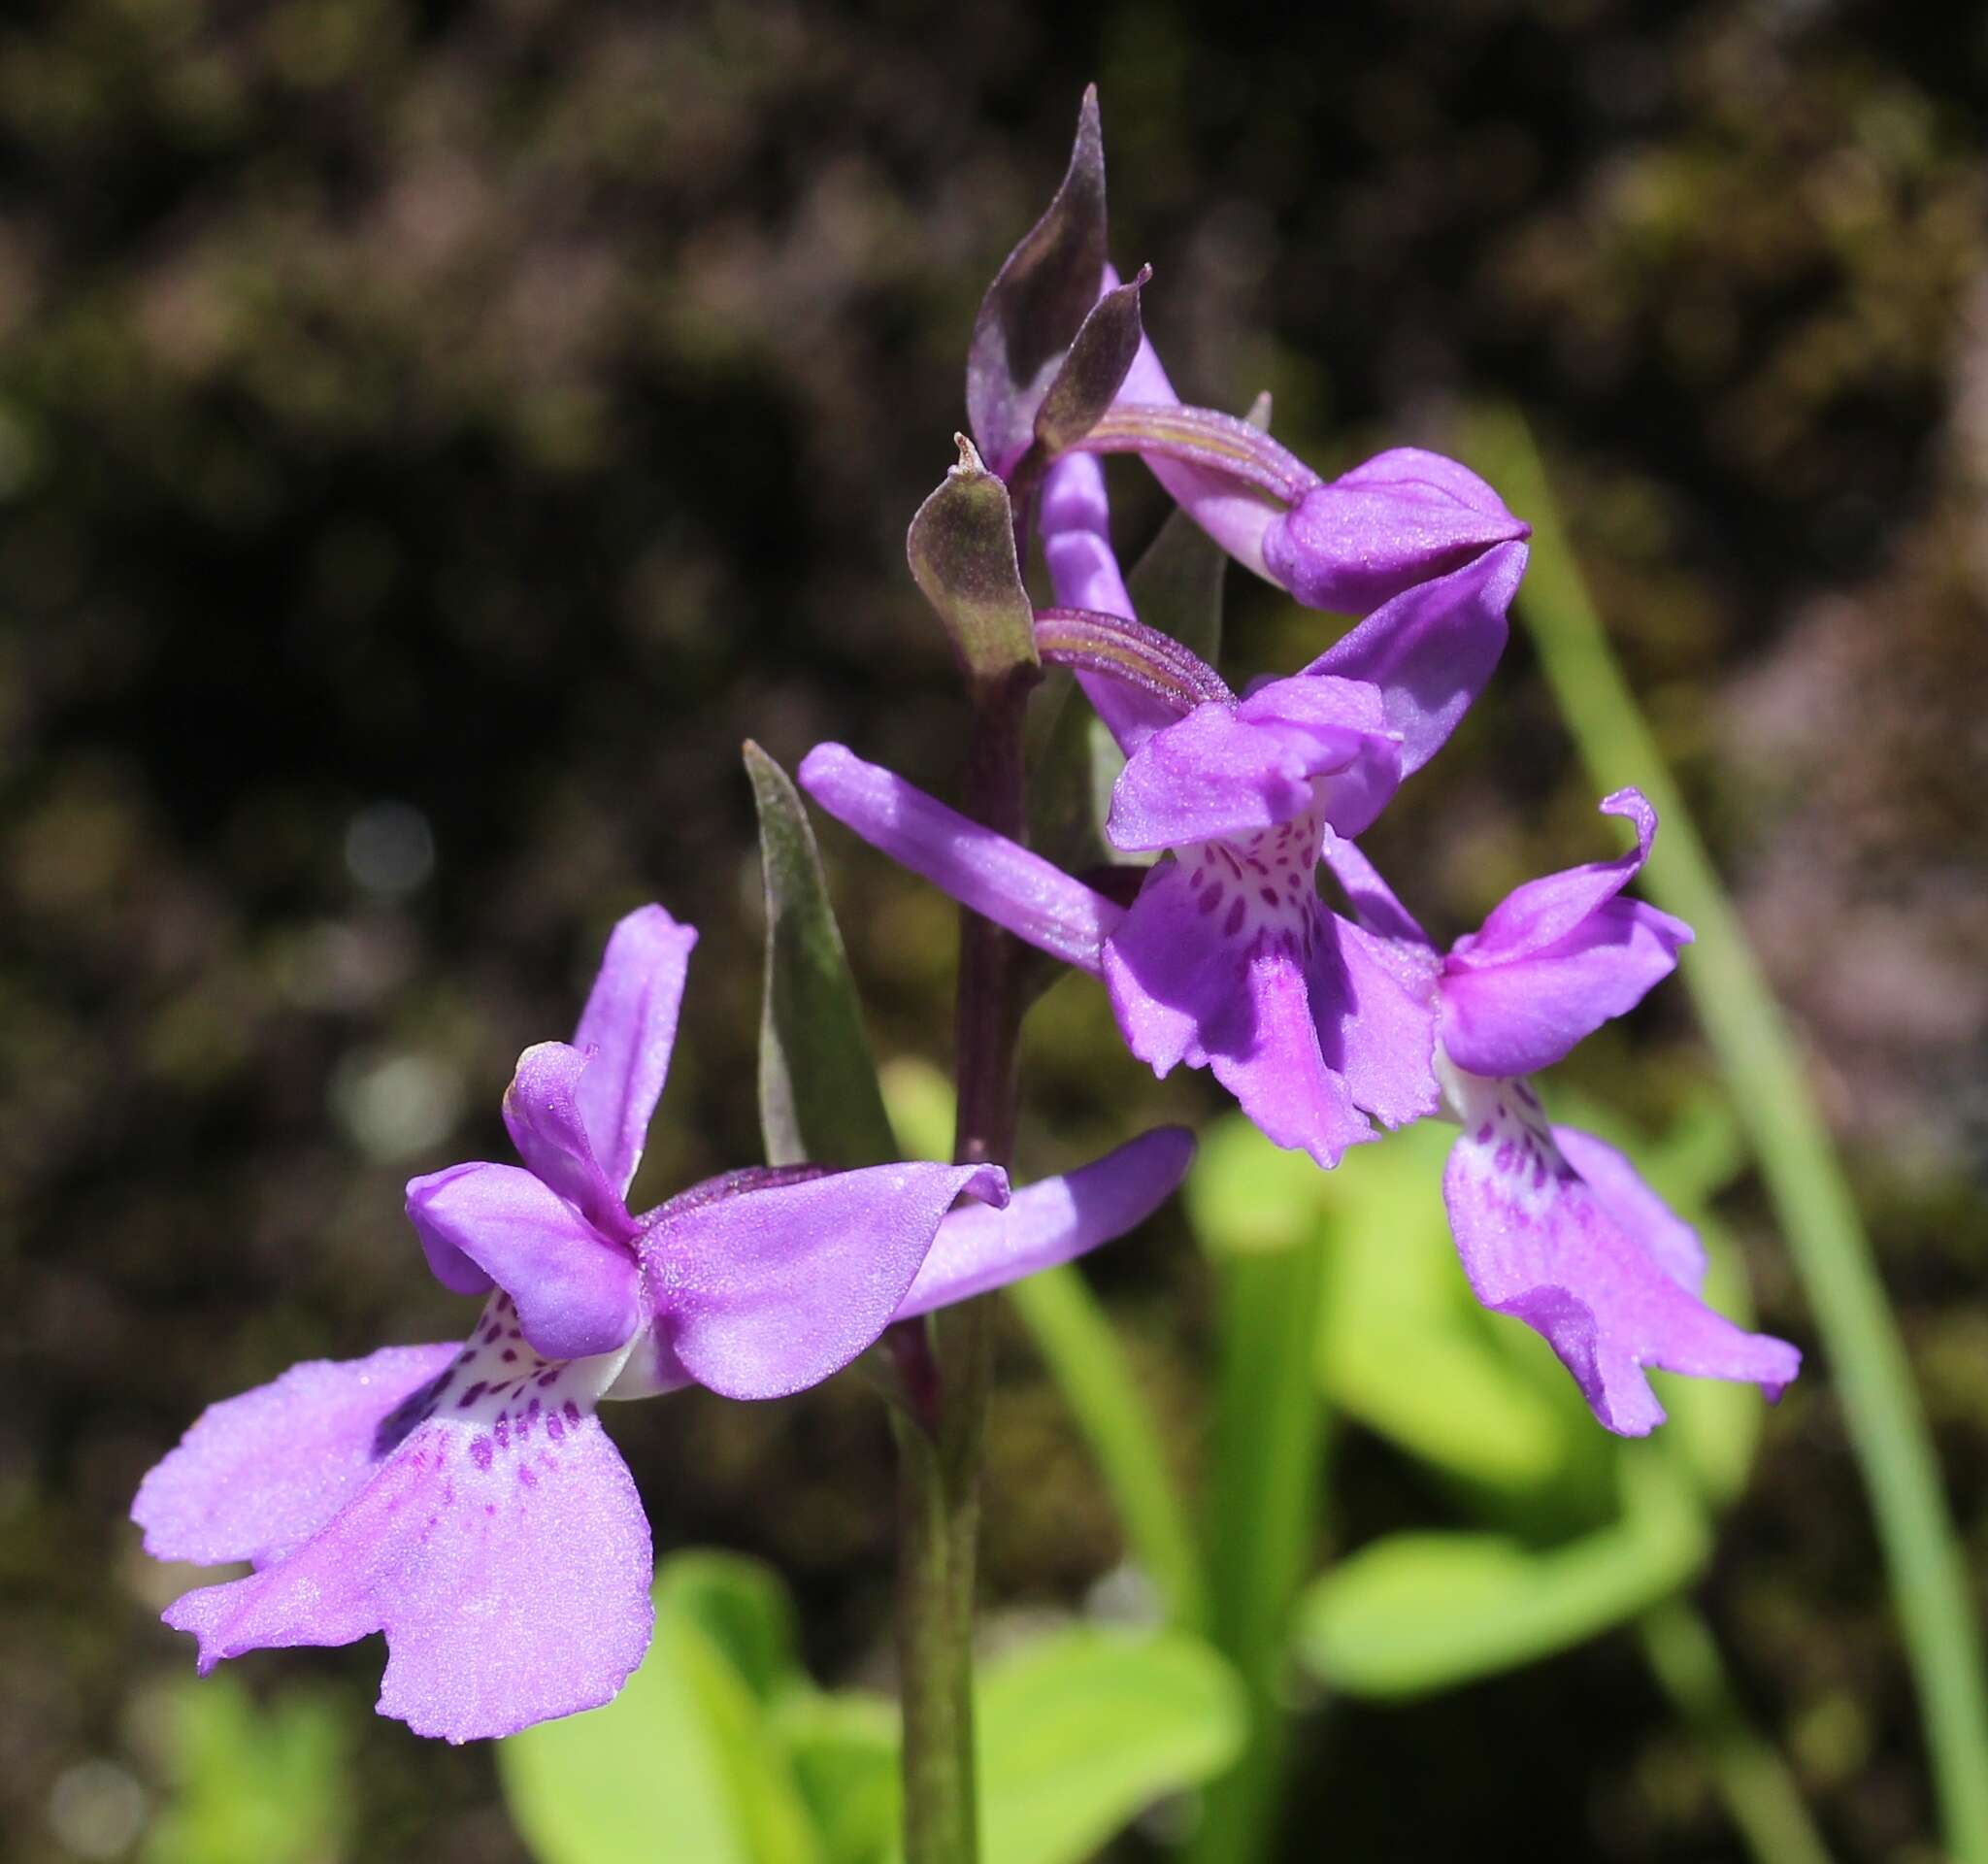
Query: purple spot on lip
x=572, y=1412
x=1211, y=899
x=554, y=1429
x=481, y=1451
x=547, y=1378
x=471, y=1396
x=510, y=1355
x=527, y=1475
x=1233, y=924
x=1270, y=896
x=1507, y=1157
x=1485, y=1134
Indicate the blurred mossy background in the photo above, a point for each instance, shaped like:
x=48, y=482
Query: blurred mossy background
x=432, y=437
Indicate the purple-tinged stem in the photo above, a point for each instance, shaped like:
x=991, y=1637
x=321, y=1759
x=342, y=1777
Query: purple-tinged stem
x=940, y=1475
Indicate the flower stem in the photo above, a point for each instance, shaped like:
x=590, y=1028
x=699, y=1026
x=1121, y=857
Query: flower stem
x=940, y=1470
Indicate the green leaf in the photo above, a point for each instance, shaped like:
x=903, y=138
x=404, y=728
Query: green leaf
x=1040, y=299
x=961, y=549
x=844, y=1753
x=818, y=1099
x=1405, y=1346
x=1247, y=1196
x=1079, y=1732
x=1416, y=1613
x=681, y=1763
x=251, y=1783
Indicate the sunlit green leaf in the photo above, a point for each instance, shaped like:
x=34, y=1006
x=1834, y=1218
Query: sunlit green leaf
x=1081, y=1732
x=1416, y=1613
x=681, y=1764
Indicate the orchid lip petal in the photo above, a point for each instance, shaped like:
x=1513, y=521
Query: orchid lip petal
x=1579, y=1262
x=498, y=1542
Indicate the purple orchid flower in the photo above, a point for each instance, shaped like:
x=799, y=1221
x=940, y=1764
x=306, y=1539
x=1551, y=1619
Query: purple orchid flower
x=1228, y=959
x=1555, y=1226
x=466, y=1501
x=1350, y=545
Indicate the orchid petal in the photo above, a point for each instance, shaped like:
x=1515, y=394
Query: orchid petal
x=1226, y=770
x=508, y=1563
x=978, y=1247
x=1540, y=1244
x=257, y=1475
x=1673, y=1244
x=1392, y=522
x=577, y=1292
x=1072, y=518
x=1432, y=648
x=998, y=879
x=541, y=1110
x=1519, y=1017
x=1379, y=1027
x=770, y=1291
x=628, y=1028
x=1535, y=917
x=1271, y=1060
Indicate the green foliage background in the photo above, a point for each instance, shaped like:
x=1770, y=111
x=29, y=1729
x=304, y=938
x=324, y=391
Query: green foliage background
x=505, y=409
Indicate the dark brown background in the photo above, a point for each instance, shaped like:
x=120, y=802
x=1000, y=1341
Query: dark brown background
x=502, y=410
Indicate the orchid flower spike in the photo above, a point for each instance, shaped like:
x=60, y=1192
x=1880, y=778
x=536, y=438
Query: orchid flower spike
x=465, y=1501
x=1228, y=959
x=1554, y=1226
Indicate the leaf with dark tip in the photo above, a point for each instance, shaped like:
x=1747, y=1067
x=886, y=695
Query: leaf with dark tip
x=818, y=1098
x=961, y=548
x=1094, y=369
x=1176, y=584
x=1038, y=301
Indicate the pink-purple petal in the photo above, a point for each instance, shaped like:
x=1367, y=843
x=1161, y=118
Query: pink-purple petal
x=259, y=1474
x=541, y=1110
x=628, y=1029
x=1431, y=648
x=1269, y=1057
x=1377, y=1027
x=1538, y=1243
x=1399, y=520
x=1536, y=916
x=510, y=1572
x=1170, y=972
x=998, y=879
x=1074, y=522
x=1227, y=771
x=1521, y=1016
x=770, y=1291
x=578, y=1292
x=1671, y=1242
x=978, y=1247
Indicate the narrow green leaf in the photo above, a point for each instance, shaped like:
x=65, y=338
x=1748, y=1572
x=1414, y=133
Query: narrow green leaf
x=1416, y=1613
x=1266, y=1462
x=818, y=1099
x=1079, y=1732
x=1039, y=299
x=961, y=549
x=680, y=1765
